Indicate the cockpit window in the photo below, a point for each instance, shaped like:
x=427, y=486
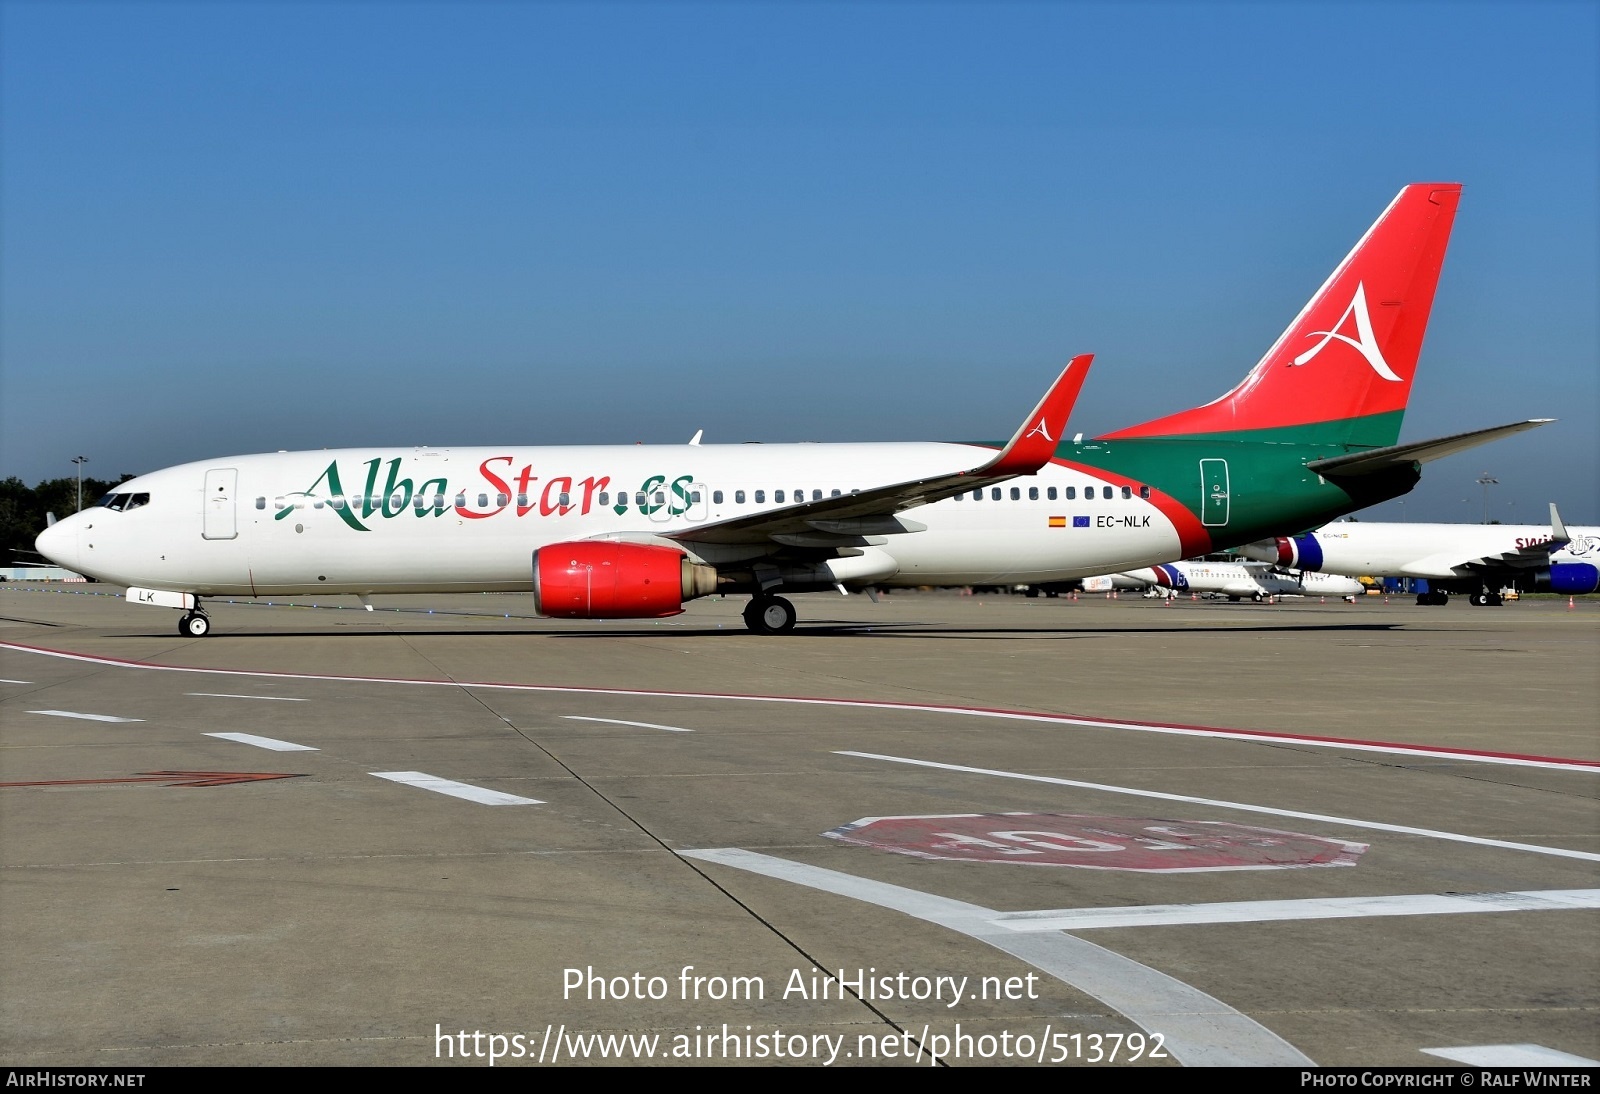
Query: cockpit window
x=122, y=502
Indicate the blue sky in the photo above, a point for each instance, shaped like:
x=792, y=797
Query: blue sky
x=246, y=227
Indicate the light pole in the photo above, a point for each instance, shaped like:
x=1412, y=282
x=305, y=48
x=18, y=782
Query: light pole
x=1486, y=481
x=80, y=461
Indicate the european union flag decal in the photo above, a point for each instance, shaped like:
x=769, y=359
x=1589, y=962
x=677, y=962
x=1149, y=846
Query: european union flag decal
x=1080, y=522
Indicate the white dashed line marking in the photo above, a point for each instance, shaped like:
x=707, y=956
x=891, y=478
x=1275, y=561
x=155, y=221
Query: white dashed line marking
x=1242, y=735
x=620, y=722
x=1511, y=1056
x=85, y=717
x=16, y=681
x=225, y=695
x=424, y=781
x=264, y=742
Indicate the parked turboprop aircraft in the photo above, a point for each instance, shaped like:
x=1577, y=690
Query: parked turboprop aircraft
x=1476, y=559
x=634, y=531
x=1237, y=580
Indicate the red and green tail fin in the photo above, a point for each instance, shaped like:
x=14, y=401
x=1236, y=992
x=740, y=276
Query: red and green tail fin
x=1341, y=372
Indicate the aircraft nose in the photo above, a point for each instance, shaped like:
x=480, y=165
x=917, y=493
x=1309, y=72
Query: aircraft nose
x=59, y=543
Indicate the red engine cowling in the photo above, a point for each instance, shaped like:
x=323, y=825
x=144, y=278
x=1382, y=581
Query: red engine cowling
x=604, y=579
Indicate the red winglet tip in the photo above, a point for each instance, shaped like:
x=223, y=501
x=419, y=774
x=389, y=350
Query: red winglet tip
x=1036, y=440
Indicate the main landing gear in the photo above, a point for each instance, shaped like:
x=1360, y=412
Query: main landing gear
x=1433, y=599
x=1485, y=600
x=195, y=624
x=769, y=614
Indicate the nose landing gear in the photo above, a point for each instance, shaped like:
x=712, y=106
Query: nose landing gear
x=195, y=624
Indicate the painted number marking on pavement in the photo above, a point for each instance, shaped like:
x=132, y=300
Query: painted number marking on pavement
x=1148, y=844
x=1377, y=826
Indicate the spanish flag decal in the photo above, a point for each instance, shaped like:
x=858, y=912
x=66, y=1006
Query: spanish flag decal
x=1058, y=522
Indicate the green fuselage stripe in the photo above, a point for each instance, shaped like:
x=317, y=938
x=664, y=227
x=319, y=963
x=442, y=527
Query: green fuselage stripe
x=1344, y=435
x=1269, y=490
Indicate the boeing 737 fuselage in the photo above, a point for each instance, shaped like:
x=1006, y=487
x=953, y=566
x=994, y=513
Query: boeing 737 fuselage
x=635, y=531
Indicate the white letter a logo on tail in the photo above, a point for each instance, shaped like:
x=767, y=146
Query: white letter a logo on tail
x=1364, y=341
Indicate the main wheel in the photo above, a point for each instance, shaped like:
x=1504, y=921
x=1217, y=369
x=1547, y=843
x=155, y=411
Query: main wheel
x=194, y=625
x=1477, y=600
x=769, y=615
x=1258, y=598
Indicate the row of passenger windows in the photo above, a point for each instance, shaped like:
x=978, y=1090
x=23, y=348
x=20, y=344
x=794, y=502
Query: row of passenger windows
x=1069, y=493
x=996, y=493
x=777, y=496
x=424, y=502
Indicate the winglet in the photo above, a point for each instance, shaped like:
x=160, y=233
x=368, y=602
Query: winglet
x=1036, y=439
x=1558, y=530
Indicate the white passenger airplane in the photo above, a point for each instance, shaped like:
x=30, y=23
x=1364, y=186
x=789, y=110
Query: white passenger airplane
x=1476, y=559
x=1238, y=580
x=634, y=531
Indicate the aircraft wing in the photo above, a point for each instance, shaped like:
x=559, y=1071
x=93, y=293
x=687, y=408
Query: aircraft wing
x=1537, y=554
x=1513, y=558
x=847, y=520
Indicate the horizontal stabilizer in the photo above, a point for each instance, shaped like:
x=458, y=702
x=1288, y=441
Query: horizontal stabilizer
x=1375, y=460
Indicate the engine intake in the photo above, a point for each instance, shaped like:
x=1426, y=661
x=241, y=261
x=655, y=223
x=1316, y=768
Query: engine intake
x=600, y=579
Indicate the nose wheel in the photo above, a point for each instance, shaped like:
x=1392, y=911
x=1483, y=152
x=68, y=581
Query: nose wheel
x=769, y=615
x=194, y=625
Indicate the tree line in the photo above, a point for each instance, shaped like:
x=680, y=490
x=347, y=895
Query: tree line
x=23, y=510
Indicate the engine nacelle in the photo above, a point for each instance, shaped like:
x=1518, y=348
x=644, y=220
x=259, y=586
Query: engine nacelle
x=1293, y=552
x=604, y=579
x=1568, y=577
